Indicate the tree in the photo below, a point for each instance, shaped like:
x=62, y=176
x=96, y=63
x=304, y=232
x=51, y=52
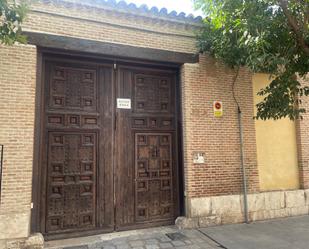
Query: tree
x=12, y=15
x=270, y=36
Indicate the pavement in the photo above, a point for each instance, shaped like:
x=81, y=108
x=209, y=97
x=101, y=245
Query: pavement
x=152, y=238
x=289, y=233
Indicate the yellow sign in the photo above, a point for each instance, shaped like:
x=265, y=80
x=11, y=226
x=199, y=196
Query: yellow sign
x=218, y=109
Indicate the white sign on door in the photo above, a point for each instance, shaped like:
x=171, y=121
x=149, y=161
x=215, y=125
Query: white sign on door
x=124, y=103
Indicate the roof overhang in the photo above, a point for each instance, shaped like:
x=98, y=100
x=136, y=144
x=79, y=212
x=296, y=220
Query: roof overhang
x=110, y=49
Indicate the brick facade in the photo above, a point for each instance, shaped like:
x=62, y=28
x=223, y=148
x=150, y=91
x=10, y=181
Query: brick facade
x=116, y=27
x=17, y=108
x=201, y=84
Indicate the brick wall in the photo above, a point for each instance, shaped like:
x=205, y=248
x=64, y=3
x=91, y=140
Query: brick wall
x=110, y=26
x=17, y=89
x=202, y=84
x=99, y=13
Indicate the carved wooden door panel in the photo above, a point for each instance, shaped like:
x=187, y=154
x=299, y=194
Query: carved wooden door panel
x=146, y=186
x=77, y=193
x=72, y=178
x=154, y=183
x=104, y=168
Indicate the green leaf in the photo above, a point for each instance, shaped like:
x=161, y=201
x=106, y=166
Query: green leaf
x=256, y=34
x=12, y=15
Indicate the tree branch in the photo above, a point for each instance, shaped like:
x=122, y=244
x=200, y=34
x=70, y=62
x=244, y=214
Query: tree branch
x=306, y=16
x=294, y=26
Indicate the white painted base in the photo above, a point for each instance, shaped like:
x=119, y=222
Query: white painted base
x=203, y=212
x=35, y=241
x=14, y=225
x=15, y=230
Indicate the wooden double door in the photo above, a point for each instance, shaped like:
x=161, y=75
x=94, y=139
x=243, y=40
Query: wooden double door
x=105, y=168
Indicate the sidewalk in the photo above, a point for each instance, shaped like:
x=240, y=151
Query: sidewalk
x=289, y=233
x=153, y=238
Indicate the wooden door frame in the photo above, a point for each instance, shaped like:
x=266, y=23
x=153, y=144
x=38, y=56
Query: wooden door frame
x=38, y=156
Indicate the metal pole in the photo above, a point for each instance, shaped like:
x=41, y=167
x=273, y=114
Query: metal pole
x=244, y=177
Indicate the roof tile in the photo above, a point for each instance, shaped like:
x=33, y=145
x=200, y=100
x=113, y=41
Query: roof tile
x=133, y=8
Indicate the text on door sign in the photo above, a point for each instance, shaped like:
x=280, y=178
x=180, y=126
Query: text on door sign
x=123, y=103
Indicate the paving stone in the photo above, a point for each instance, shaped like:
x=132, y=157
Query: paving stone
x=191, y=233
x=135, y=238
x=151, y=241
x=123, y=246
x=77, y=247
x=198, y=240
x=108, y=243
x=152, y=247
x=194, y=246
x=178, y=243
x=150, y=236
x=165, y=239
x=119, y=241
x=144, y=239
x=166, y=245
x=176, y=236
x=205, y=246
x=183, y=247
x=289, y=233
x=109, y=247
x=94, y=246
x=188, y=242
x=136, y=243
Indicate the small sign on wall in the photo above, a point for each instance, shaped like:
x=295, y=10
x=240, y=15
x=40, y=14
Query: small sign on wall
x=218, y=109
x=199, y=158
x=123, y=103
